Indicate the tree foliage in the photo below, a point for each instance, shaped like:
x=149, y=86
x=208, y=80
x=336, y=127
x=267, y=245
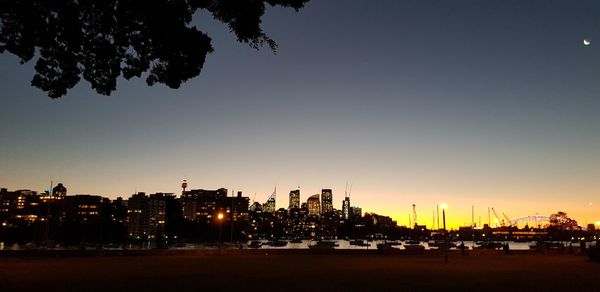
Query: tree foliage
x=561, y=221
x=101, y=40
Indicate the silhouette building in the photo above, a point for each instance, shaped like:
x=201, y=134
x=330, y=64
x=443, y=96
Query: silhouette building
x=59, y=192
x=237, y=207
x=355, y=211
x=157, y=210
x=82, y=208
x=201, y=204
x=137, y=216
x=20, y=205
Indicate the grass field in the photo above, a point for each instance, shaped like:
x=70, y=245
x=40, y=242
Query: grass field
x=531, y=272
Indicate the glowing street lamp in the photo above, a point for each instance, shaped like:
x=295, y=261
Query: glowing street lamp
x=220, y=217
x=444, y=207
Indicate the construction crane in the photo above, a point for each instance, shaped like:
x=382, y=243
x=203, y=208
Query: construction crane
x=496, y=215
x=507, y=219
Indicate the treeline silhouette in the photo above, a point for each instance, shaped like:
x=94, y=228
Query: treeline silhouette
x=101, y=40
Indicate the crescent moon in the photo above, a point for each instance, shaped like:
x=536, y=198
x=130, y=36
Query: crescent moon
x=587, y=42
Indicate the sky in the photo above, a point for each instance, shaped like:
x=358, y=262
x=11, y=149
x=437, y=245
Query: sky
x=469, y=103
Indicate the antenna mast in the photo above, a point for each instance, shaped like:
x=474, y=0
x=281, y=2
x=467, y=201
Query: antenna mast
x=414, y=207
x=437, y=206
x=472, y=216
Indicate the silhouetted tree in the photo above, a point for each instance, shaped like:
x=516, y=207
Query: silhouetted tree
x=561, y=221
x=100, y=40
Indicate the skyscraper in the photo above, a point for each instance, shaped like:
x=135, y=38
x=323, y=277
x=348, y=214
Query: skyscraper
x=346, y=208
x=157, y=210
x=314, y=205
x=294, y=199
x=137, y=216
x=269, y=206
x=326, y=201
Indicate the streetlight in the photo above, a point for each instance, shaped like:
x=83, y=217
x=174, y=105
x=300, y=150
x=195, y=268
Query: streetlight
x=220, y=217
x=444, y=207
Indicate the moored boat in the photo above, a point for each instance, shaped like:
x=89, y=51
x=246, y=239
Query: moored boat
x=359, y=242
x=276, y=243
x=489, y=245
x=255, y=244
x=386, y=246
x=323, y=244
x=440, y=244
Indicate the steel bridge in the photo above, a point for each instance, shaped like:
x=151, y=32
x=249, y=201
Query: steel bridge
x=531, y=220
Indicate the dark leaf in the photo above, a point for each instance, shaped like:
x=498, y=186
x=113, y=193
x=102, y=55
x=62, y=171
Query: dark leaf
x=101, y=40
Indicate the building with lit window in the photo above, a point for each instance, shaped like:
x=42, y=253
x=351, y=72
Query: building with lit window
x=346, y=208
x=137, y=216
x=59, y=192
x=314, y=205
x=256, y=207
x=237, y=207
x=82, y=208
x=157, y=209
x=326, y=201
x=294, y=200
x=269, y=206
x=20, y=205
x=9, y=203
x=200, y=204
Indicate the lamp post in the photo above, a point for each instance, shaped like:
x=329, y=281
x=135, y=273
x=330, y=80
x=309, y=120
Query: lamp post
x=220, y=217
x=444, y=206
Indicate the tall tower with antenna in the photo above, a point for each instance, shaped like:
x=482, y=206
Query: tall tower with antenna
x=183, y=186
x=346, y=203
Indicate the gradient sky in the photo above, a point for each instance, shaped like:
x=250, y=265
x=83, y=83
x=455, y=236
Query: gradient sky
x=485, y=103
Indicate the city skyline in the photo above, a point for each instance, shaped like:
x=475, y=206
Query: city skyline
x=198, y=215
x=427, y=215
x=414, y=102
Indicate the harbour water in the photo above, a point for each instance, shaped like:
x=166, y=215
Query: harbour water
x=341, y=244
x=345, y=244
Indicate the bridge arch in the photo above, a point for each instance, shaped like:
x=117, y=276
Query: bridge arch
x=531, y=220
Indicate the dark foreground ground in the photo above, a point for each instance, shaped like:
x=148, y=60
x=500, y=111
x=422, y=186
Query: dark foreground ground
x=301, y=272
